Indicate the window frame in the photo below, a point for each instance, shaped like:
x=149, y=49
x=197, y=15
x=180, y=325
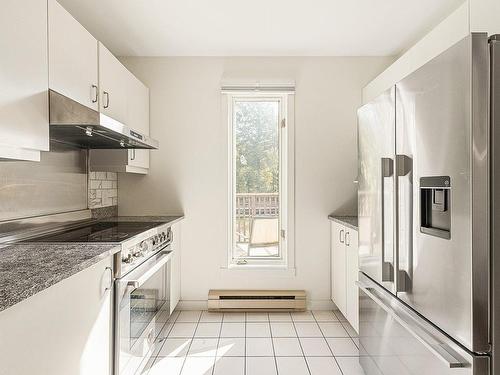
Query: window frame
x=285, y=259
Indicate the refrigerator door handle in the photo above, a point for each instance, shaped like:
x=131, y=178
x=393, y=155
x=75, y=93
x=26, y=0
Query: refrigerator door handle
x=387, y=169
x=404, y=167
x=439, y=349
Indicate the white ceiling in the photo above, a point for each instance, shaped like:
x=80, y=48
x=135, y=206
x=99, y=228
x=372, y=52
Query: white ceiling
x=259, y=27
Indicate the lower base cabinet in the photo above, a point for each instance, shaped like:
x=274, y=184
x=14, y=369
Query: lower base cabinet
x=175, y=268
x=344, y=271
x=65, y=329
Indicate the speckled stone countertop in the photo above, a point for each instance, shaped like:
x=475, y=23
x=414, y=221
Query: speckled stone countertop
x=169, y=219
x=348, y=221
x=29, y=268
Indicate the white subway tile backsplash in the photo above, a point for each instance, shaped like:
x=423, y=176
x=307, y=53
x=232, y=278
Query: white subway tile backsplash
x=103, y=189
x=113, y=176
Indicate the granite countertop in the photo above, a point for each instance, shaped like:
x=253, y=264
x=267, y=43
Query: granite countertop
x=29, y=268
x=348, y=221
x=169, y=219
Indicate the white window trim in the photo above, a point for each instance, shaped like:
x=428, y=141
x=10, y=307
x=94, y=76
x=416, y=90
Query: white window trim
x=286, y=262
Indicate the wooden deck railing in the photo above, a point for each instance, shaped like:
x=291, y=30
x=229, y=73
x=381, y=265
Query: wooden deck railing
x=249, y=206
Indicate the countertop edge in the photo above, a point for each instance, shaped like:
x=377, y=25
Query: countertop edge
x=57, y=278
x=342, y=220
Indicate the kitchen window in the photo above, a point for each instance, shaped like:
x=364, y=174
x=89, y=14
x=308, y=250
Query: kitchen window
x=259, y=179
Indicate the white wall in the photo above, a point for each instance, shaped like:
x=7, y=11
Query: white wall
x=471, y=16
x=188, y=174
x=448, y=32
x=485, y=16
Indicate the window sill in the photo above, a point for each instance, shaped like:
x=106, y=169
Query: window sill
x=259, y=270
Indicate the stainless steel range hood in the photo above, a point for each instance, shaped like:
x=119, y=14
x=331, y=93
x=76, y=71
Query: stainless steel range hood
x=75, y=124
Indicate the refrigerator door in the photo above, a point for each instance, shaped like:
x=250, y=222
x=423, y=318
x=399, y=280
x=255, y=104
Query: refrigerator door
x=495, y=200
x=442, y=191
x=394, y=340
x=376, y=131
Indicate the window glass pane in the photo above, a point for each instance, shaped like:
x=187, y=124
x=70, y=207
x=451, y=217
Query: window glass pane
x=257, y=179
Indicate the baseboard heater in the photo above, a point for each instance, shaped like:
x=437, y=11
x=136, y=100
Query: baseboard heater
x=256, y=300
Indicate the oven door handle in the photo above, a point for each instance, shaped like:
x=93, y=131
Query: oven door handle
x=161, y=261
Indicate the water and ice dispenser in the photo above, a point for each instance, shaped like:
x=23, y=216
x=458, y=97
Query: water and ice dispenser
x=435, y=206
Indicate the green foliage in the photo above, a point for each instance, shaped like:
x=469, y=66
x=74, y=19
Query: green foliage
x=257, y=146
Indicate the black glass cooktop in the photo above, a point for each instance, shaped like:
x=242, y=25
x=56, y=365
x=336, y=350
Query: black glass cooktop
x=103, y=231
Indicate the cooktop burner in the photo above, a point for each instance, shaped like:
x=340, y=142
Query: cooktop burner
x=105, y=231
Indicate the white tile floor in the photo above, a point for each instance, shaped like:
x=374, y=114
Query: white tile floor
x=204, y=343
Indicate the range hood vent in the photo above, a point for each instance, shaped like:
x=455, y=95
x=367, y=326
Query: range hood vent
x=77, y=125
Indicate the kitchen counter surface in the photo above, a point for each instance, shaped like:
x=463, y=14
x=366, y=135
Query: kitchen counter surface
x=29, y=268
x=169, y=219
x=348, y=221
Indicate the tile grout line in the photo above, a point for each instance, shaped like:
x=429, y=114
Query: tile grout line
x=191, y=343
x=327, y=344
x=162, y=340
x=300, y=343
x=245, y=340
x=218, y=340
x=272, y=343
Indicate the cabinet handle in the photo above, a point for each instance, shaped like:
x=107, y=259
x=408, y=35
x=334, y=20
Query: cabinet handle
x=347, y=238
x=341, y=237
x=107, y=99
x=133, y=154
x=110, y=271
x=95, y=96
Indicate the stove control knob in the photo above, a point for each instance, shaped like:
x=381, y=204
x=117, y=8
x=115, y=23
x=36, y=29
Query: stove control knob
x=143, y=247
x=128, y=258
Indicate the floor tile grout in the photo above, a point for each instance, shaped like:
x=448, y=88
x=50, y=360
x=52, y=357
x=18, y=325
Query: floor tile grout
x=168, y=326
x=329, y=348
x=300, y=344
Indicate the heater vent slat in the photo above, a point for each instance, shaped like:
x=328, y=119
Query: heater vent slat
x=257, y=300
x=257, y=297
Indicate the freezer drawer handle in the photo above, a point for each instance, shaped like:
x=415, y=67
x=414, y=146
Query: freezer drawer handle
x=439, y=349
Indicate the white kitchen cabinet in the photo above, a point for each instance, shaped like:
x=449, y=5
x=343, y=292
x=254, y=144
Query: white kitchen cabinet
x=132, y=109
x=175, y=268
x=65, y=329
x=73, y=60
x=138, y=119
x=352, y=302
x=344, y=271
x=24, y=110
x=338, y=267
x=113, y=85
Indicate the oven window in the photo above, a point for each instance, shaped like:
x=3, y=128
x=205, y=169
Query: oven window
x=147, y=302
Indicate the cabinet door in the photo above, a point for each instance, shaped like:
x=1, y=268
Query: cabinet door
x=72, y=58
x=65, y=329
x=338, y=267
x=138, y=118
x=24, y=110
x=113, y=84
x=175, y=268
x=351, y=242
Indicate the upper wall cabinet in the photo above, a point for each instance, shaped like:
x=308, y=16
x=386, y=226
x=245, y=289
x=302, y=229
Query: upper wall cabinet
x=113, y=84
x=72, y=58
x=126, y=99
x=24, y=111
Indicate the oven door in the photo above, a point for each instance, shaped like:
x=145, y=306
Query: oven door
x=142, y=306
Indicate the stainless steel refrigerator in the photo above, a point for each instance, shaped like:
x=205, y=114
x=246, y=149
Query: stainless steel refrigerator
x=428, y=197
